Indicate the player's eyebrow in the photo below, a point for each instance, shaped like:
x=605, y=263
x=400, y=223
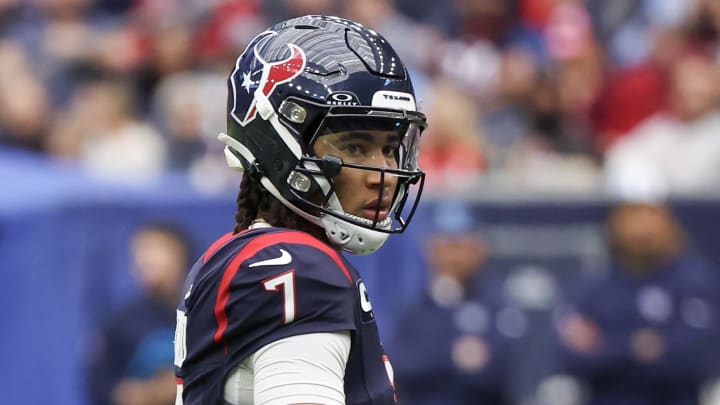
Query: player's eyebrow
x=351, y=136
x=395, y=138
x=366, y=136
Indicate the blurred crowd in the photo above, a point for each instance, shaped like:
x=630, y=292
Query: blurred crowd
x=546, y=96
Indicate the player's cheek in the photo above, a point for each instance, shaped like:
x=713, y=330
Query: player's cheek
x=345, y=182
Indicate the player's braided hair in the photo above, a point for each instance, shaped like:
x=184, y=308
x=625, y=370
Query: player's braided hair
x=254, y=202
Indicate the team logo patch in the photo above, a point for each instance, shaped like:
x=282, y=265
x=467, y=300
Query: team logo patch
x=264, y=79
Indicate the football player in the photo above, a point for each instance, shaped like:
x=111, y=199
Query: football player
x=643, y=332
x=323, y=122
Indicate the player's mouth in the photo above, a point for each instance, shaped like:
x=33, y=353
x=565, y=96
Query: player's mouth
x=376, y=210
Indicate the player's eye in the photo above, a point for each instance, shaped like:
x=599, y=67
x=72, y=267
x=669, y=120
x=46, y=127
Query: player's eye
x=390, y=151
x=353, y=149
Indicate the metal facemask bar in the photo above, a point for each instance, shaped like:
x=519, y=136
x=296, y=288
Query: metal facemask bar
x=409, y=126
x=332, y=164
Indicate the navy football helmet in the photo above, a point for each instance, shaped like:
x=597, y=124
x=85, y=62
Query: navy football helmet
x=312, y=78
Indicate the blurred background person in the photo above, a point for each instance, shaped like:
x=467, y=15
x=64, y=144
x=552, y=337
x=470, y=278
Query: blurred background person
x=571, y=68
x=24, y=107
x=102, y=130
x=132, y=363
x=446, y=348
x=453, y=148
x=642, y=332
x=676, y=151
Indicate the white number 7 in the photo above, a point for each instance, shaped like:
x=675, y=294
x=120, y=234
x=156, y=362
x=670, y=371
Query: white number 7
x=286, y=282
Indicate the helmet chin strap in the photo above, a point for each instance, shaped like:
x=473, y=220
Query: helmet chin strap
x=353, y=238
x=350, y=237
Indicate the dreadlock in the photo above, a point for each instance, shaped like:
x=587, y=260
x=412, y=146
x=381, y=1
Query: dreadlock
x=254, y=201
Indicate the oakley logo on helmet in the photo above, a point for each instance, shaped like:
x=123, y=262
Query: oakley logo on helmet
x=272, y=75
x=342, y=98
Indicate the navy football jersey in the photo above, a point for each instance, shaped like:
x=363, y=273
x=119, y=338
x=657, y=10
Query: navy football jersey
x=266, y=284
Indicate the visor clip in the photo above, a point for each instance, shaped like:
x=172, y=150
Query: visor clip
x=331, y=165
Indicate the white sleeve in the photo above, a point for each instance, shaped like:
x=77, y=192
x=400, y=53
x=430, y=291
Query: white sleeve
x=302, y=369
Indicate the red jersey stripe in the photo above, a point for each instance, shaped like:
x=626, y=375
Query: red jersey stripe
x=254, y=246
x=216, y=246
x=220, y=243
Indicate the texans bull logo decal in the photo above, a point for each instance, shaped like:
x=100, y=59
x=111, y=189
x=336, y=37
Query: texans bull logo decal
x=264, y=80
